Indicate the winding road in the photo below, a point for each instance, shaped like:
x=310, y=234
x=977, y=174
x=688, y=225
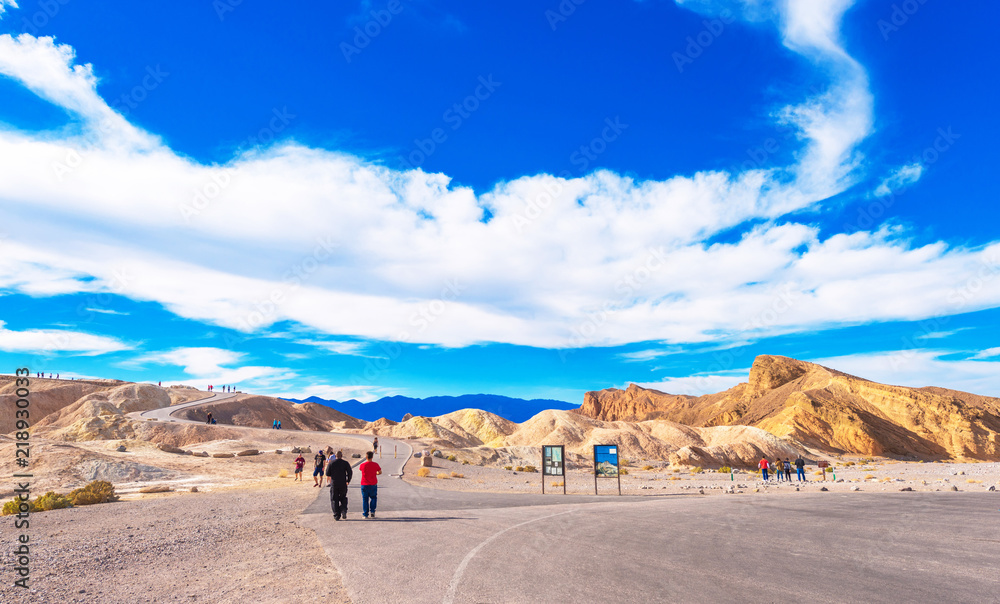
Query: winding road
x=433, y=546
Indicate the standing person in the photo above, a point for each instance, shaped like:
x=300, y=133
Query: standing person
x=800, y=468
x=340, y=473
x=777, y=469
x=763, y=467
x=375, y=445
x=300, y=463
x=209, y=420
x=319, y=462
x=274, y=425
x=788, y=469
x=369, y=486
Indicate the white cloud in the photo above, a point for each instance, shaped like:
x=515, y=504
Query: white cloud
x=900, y=178
x=5, y=3
x=212, y=366
x=696, y=385
x=47, y=341
x=363, y=394
x=106, y=311
x=989, y=353
x=919, y=368
x=358, y=349
x=404, y=256
x=641, y=356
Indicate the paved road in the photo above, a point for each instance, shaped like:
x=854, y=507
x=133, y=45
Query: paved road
x=446, y=546
x=166, y=413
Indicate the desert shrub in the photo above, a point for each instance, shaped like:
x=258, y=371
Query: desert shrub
x=282, y=473
x=973, y=481
x=674, y=478
x=647, y=468
x=99, y=491
x=423, y=472
x=442, y=476
x=624, y=471
x=625, y=462
x=869, y=476
x=457, y=475
x=676, y=470
x=14, y=506
x=725, y=470
x=452, y=458
x=508, y=467
x=465, y=462
x=530, y=469
x=818, y=473
x=557, y=484
x=848, y=464
x=519, y=469
x=52, y=501
x=696, y=470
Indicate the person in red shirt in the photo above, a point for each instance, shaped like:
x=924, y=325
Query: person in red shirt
x=369, y=486
x=300, y=462
x=764, y=466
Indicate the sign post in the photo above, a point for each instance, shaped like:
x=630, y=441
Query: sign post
x=607, y=465
x=823, y=465
x=553, y=464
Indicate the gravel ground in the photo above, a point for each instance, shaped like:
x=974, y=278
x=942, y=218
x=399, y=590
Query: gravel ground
x=239, y=545
x=880, y=476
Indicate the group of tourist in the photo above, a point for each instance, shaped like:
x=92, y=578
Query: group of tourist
x=276, y=424
x=339, y=473
x=211, y=388
x=783, y=469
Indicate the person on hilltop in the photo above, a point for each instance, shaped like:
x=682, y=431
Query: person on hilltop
x=369, y=485
x=763, y=467
x=787, y=465
x=800, y=468
x=319, y=462
x=209, y=420
x=300, y=463
x=340, y=473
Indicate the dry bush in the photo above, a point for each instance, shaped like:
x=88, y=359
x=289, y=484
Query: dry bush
x=676, y=470
x=648, y=468
x=465, y=462
x=442, y=476
x=530, y=469
x=282, y=473
x=696, y=470
x=973, y=481
x=452, y=458
x=52, y=501
x=848, y=464
x=99, y=491
x=508, y=468
x=725, y=470
x=869, y=476
x=14, y=506
x=422, y=472
x=457, y=475
x=519, y=469
x=674, y=478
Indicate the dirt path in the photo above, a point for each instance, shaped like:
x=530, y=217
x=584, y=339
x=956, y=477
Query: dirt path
x=240, y=545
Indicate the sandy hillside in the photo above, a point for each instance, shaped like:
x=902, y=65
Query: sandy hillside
x=261, y=411
x=825, y=409
x=46, y=396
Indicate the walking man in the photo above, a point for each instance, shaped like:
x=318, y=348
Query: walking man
x=763, y=466
x=369, y=486
x=800, y=468
x=300, y=462
x=787, y=465
x=340, y=473
x=320, y=463
x=209, y=420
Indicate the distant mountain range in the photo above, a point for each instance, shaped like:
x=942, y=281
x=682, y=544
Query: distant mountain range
x=395, y=407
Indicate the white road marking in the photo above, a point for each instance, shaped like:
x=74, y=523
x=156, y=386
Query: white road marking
x=449, y=596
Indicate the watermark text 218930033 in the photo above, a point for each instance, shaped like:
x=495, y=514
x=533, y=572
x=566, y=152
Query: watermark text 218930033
x=22, y=478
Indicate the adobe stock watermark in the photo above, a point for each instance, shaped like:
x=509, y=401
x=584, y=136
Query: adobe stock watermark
x=364, y=34
x=454, y=117
x=563, y=11
x=421, y=320
x=220, y=178
x=581, y=158
x=696, y=44
x=871, y=213
x=585, y=332
x=47, y=10
x=898, y=17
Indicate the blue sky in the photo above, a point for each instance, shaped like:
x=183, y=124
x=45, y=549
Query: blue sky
x=535, y=200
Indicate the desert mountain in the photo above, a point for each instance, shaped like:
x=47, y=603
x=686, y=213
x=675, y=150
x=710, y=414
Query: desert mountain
x=261, y=411
x=824, y=409
x=491, y=438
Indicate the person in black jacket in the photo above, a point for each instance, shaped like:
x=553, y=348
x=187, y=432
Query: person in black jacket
x=340, y=473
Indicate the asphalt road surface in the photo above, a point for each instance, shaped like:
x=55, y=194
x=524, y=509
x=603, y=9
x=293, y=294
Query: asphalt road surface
x=165, y=414
x=445, y=546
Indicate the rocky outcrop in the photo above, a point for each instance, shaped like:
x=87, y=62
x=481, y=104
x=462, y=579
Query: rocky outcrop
x=826, y=409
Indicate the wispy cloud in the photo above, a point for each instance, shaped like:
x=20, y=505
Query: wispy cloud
x=919, y=368
x=107, y=311
x=48, y=341
x=900, y=178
